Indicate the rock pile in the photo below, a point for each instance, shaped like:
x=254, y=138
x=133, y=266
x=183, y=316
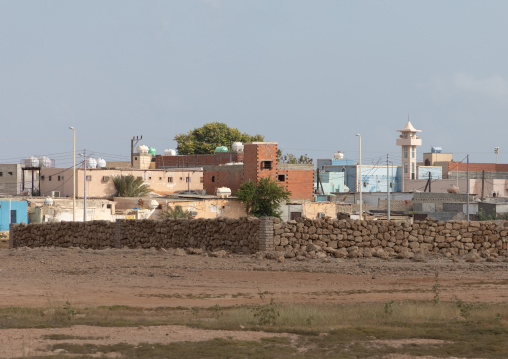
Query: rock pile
x=352, y=238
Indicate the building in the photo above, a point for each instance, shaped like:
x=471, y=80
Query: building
x=260, y=161
x=57, y=182
x=408, y=140
x=12, y=211
x=16, y=180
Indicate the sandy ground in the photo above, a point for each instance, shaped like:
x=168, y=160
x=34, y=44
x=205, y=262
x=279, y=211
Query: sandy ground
x=154, y=278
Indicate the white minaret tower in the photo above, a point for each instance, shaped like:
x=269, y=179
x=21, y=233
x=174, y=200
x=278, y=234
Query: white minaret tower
x=408, y=140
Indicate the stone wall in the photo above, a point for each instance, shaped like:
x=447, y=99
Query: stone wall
x=234, y=235
x=353, y=238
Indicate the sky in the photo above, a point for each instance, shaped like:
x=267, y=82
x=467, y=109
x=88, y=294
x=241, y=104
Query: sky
x=309, y=75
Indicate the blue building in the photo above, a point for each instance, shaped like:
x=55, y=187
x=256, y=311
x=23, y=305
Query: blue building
x=332, y=182
x=12, y=212
x=374, y=177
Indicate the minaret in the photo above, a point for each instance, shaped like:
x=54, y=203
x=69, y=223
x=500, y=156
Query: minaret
x=408, y=140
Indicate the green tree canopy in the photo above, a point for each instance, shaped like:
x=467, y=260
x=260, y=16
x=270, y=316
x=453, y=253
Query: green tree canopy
x=177, y=212
x=205, y=139
x=129, y=186
x=290, y=158
x=262, y=198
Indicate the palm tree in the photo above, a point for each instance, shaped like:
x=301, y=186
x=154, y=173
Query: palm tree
x=129, y=186
x=177, y=212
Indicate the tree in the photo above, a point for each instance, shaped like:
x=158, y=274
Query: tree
x=262, y=198
x=290, y=158
x=128, y=186
x=177, y=212
x=205, y=139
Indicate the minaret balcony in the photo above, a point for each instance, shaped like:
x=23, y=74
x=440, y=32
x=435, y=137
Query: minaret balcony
x=409, y=142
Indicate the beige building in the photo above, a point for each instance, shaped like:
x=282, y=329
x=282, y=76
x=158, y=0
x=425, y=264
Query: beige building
x=58, y=182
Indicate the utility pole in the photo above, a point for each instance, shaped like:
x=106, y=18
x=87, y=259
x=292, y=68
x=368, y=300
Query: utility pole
x=496, y=151
x=467, y=184
x=483, y=183
x=387, y=188
x=84, y=187
x=136, y=139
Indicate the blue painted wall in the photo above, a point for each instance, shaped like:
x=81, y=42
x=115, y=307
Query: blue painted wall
x=21, y=212
x=332, y=182
x=436, y=172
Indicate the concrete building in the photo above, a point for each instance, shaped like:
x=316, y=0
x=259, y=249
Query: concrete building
x=12, y=178
x=57, y=182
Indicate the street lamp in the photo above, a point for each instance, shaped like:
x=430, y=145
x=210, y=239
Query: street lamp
x=74, y=175
x=360, y=176
x=496, y=151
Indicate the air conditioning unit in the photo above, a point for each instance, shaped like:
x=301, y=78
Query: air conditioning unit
x=55, y=194
x=321, y=215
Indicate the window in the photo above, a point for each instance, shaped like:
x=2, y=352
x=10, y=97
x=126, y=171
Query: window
x=201, y=180
x=42, y=177
x=281, y=178
x=405, y=167
x=170, y=179
x=187, y=179
x=149, y=178
x=59, y=178
x=213, y=178
x=413, y=152
x=105, y=179
x=49, y=178
x=88, y=178
x=181, y=178
x=405, y=152
x=135, y=158
x=10, y=173
x=1, y=174
x=266, y=165
x=404, y=134
x=160, y=178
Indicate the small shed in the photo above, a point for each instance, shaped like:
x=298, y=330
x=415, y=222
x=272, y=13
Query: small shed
x=12, y=211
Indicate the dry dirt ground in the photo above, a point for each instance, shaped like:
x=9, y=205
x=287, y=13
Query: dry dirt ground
x=157, y=278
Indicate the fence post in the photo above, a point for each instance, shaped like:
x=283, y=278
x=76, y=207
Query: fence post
x=266, y=234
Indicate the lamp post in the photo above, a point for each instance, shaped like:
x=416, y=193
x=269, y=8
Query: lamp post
x=496, y=151
x=84, y=185
x=73, y=174
x=360, y=176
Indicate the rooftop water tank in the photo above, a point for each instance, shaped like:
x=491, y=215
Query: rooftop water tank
x=170, y=152
x=152, y=151
x=101, y=163
x=237, y=147
x=338, y=155
x=91, y=163
x=44, y=161
x=48, y=201
x=223, y=192
x=142, y=149
x=153, y=204
x=221, y=149
x=436, y=150
x=453, y=189
x=32, y=161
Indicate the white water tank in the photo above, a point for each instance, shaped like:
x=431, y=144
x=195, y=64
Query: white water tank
x=48, y=201
x=91, y=163
x=237, y=147
x=223, y=192
x=453, y=189
x=338, y=155
x=170, y=152
x=44, y=161
x=32, y=161
x=101, y=163
x=142, y=149
x=153, y=204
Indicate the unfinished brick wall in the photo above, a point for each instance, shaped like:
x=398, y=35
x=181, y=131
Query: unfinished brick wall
x=165, y=161
x=230, y=176
x=299, y=181
x=257, y=157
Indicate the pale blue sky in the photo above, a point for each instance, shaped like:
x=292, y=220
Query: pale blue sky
x=306, y=74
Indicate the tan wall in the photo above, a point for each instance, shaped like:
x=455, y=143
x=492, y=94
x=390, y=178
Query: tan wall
x=311, y=209
x=206, y=208
x=98, y=187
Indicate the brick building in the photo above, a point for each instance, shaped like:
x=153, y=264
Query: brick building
x=258, y=160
